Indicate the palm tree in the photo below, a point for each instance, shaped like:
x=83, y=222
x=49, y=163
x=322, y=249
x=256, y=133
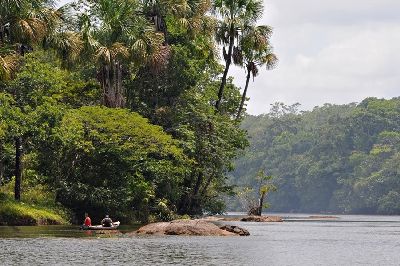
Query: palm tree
x=114, y=33
x=158, y=10
x=24, y=23
x=256, y=52
x=235, y=16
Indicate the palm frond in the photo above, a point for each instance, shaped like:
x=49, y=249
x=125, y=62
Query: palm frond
x=119, y=50
x=103, y=55
x=253, y=10
x=8, y=66
x=159, y=59
x=68, y=45
x=28, y=30
x=116, y=51
x=270, y=61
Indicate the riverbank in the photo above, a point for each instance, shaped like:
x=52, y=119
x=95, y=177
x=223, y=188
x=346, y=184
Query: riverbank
x=36, y=207
x=20, y=213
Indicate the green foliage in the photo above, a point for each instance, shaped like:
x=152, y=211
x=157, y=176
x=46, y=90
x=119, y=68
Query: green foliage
x=158, y=57
x=19, y=213
x=180, y=98
x=36, y=208
x=113, y=161
x=212, y=141
x=334, y=158
x=42, y=79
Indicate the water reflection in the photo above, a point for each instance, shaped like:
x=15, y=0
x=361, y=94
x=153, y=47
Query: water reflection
x=59, y=231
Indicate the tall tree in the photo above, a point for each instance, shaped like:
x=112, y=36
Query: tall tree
x=22, y=24
x=158, y=10
x=235, y=15
x=113, y=32
x=256, y=52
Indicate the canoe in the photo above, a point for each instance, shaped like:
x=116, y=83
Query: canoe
x=100, y=227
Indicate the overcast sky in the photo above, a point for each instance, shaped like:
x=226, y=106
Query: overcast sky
x=330, y=51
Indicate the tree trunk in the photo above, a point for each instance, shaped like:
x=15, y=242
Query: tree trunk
x=1, y=164
x=18, y=168
x=260, y=204
x=120, y=90
x=190, y=204
x=207, y=184
x=111, y=83
x=106, y=85
x=163, y=28
x=193, y=203
x=114, y=84
x=2, y=34
x=243, y=95
x=227, y=65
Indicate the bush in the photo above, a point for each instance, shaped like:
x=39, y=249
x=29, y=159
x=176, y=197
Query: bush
x=113, y=161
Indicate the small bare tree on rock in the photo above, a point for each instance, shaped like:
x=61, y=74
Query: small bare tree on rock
x=253, y=199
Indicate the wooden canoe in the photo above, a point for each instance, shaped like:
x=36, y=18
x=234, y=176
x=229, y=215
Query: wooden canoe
x=100, y=227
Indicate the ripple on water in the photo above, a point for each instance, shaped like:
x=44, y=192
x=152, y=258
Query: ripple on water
x=292, y=243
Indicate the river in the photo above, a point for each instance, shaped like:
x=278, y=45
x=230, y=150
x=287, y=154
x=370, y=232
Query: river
x=349, y=240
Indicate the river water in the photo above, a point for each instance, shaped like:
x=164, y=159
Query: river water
x=348, y=240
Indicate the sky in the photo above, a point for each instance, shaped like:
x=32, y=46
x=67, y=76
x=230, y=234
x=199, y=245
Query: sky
x=330, y=51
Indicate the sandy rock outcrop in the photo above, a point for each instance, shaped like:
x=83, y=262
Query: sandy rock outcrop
x=187, y=227
x=235, y=229
x=262, y=219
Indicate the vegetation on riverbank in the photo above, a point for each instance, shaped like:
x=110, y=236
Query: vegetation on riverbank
x=335, y=158
x=36, y=208
x=122, y=106
x=19, y=213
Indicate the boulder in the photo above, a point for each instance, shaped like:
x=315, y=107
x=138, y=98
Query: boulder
x=235, y=229
x=262, y=219
x=187, y=227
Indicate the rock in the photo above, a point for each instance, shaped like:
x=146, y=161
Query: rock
x=323, y=217
x=212, y=218
x=261, y=219
x=235, y=229
x=186, y=227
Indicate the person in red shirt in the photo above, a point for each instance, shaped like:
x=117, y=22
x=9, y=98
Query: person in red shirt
x=88, y=221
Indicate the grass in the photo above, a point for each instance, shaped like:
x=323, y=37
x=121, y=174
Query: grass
x=19, y=213
x=37, y=208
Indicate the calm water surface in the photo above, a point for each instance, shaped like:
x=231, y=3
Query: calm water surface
x=350, y=240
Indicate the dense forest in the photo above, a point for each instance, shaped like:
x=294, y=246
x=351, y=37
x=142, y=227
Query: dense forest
x=123, y=106
x=335, y=158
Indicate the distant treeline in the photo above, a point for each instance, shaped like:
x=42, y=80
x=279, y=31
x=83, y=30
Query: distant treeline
x=335, y=158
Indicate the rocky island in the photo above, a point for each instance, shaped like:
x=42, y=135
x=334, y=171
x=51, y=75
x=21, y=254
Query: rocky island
x=192, y=228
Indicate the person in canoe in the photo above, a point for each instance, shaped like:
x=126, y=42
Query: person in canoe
x=88, y=221
x=107, y=222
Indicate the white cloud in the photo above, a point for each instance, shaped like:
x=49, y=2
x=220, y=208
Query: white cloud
x=330, y=51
